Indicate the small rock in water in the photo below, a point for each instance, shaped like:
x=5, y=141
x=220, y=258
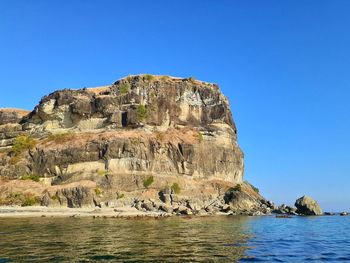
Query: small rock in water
x=343, y=213
x=329, y=213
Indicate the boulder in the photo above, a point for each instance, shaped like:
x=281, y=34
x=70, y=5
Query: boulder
x=307, y=206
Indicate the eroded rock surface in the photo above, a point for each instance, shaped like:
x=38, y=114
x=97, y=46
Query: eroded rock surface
x=177, y=131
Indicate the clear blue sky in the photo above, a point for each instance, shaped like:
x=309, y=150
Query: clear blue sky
x=283, y=64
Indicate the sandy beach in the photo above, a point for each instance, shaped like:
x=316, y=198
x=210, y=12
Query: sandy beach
x=40, y=211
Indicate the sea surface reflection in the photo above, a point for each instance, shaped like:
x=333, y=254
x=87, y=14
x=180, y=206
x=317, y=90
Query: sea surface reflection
x=208, y=239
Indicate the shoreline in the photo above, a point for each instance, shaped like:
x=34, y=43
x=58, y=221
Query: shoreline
x=116, y=212
x=40, y=211
x=63, y=212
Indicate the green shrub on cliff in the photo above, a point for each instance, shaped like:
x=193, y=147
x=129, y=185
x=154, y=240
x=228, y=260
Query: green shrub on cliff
x=124, y=88
x=19, y=198
x=238, y=188
x=141, y=112
x=147, y=182
x=98, y=191
x=22, y=143
x=120, y=196
x=255, y=189
x=30, y=200
x=200, y=137
x=176, y=188
x=164, y=78
x=101, y=172
x=33, y=177
x=149, y=77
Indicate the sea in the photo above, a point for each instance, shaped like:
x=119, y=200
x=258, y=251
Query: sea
x=176, y=239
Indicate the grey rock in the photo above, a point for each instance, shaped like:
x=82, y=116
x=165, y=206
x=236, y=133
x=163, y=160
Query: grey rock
x=148, y=205
x=307, y=206
x=329, y=213
x=166, y=208
x=165, y=195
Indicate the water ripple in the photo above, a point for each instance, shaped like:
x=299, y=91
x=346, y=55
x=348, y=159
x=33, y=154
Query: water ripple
x=214, y=239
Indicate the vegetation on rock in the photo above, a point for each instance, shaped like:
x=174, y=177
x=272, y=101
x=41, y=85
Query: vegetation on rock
x=33, y=177
x=101, y=172
x=238, y=188
x=141, y=112
x=176, y=188
x=148, y=181
x=98, y=191
x=200, y=137
x=22, y=143
x=124, y=88
x=19, y=198
x=148, y=77
x=255, y=189
x=120, y=196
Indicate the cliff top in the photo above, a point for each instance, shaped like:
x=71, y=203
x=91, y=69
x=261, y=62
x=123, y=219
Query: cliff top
x=21, y=112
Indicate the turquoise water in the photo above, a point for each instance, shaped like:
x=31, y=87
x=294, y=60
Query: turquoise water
x=211, y=239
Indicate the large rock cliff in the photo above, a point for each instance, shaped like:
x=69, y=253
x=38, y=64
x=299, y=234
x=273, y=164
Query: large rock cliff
x=142, y=138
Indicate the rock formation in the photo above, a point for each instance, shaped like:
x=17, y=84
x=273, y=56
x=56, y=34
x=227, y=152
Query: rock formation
x=307, y=206
x=153, y=142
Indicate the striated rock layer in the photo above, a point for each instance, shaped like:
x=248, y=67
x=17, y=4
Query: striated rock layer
x=177, y=133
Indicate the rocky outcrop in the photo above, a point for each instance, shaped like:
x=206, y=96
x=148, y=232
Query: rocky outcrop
x=173, y=130
x=307, y=206
x=10, y=127
x=8, y=115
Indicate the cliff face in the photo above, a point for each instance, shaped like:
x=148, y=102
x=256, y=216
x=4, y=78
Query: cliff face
x=169, y=129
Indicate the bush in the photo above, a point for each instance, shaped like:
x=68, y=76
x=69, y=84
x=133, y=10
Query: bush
x=147, y=182
x=148, y=77
x=141, y=112
x=30, y=200
x=60, y=137
x=124, y=88
x=192, y=79
x=200, y=137
x=55, y=197
x=98, y=191
x=22, y=143
x=13, y=198
x=164, y=78
x=152, y=95
x=19, y=198
x=176, y=188
x=238, y=188
x=255, y=189
x=33, y=177
x=120, y=196
x=101, y=172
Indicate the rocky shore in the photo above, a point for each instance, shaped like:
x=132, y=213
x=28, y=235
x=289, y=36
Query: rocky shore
x=152, y=144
